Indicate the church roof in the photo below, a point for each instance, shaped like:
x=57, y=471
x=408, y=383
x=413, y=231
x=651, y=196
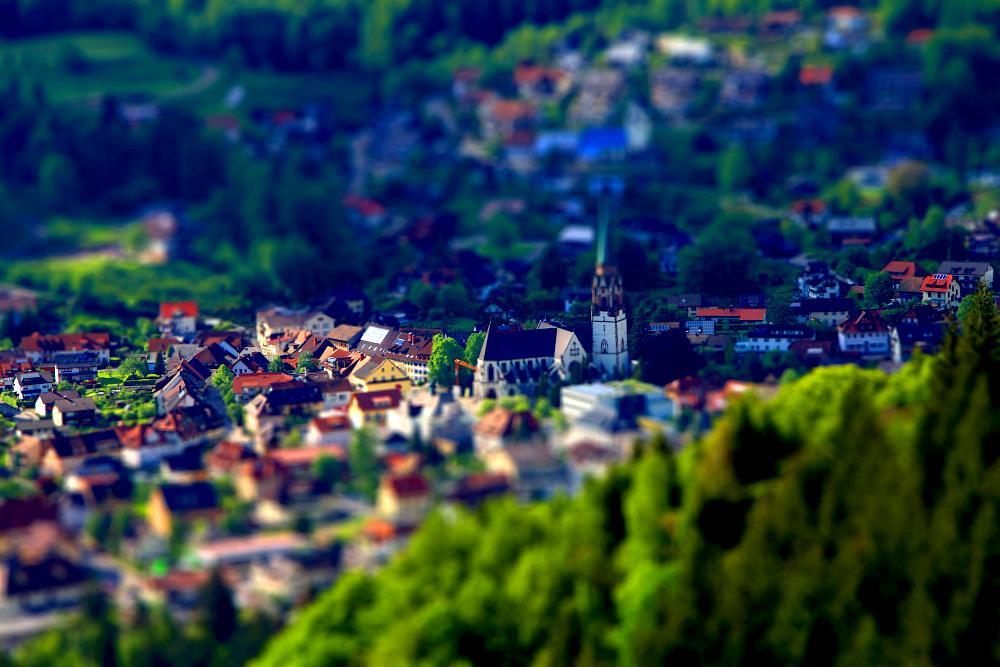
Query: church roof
x=509, y=345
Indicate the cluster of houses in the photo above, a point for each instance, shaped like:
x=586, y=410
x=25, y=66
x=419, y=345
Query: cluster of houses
x=829, y=319
x=253, y=460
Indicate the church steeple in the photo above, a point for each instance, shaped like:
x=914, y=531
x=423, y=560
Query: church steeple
x=607, y=308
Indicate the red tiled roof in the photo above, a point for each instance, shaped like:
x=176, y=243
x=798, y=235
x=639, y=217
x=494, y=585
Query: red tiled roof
x=781, y=18
x=413, y=485
x=815, y=75
x=501, y=422
x=532, y=74
x=384, y=399
x=258, y=381
x=363, y=206
x=808, y=206
x=467, y=74
x=74, y=342
x=867, y=321
x=178, y=581
x=161, y=344
x=330, y=423
x=20, y=513
x=844, y=12
x=939, y=282
x=380, y=530
x=919, y=36
x=305, y=455
x=744, y=314
x=171, y=309
x=898, y=269
x=511, y=110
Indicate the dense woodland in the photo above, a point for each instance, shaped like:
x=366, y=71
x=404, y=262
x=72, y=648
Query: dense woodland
x=333, y=33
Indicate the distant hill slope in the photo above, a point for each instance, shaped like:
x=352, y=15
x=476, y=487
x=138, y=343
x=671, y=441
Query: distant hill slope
x=853, y=520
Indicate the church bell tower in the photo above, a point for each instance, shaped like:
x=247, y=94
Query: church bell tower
x=607, y=311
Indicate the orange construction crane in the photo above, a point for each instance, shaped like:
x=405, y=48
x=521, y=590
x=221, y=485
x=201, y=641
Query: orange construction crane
x=459, y=364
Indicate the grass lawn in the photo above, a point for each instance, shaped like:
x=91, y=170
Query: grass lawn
x=82, y=234
x=120, y=286
x=78, y=67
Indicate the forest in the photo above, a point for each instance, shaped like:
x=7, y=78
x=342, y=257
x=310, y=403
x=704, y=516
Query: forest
x=329, y=34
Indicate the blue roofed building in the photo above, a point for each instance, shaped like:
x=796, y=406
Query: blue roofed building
x=599, y=144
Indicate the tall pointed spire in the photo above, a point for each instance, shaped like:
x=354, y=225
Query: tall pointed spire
x=602, y=232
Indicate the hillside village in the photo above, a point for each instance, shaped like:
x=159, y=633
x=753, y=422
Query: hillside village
x=586, y=307
x=319, y=439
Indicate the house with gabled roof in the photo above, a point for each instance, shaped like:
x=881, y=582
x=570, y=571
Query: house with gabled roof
x=345, y=336
x=178, y=317
x=913, y=332
x=404, y=499
x=278, y=321
x=900, y=270
x=144, y=445
x=373, y=373
x=171, y=503
x=246, y=386
x=372, y=408
x=940, y=290
x=864, y=333
x=32, y=384
x=75, y=411
x=503, y=427
x=184, y=389
x=45, y=347
x=65, y=453
x=968, y=274
x=541, y=81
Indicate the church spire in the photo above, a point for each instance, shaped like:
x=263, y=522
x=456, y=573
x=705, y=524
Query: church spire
x=602, y=232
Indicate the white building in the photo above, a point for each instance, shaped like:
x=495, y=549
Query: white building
x=940, y=290
x=865, y=333
x=772, y=338
x=578, y=400
x=514, y=362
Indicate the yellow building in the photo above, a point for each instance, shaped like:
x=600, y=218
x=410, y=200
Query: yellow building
x=372, y=408
x=404, y=499
x=376, y=373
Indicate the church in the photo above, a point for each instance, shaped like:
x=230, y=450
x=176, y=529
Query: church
x=609, y=354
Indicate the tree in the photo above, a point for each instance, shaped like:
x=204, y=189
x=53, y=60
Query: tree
x=305, y=363
x=363, y=462
x=880, y=289
x=667, y=356
x=57, y=180
x=222, y=379
x=453, y=298
x=734, y=169
x=276, y=365
x=422, y=295
x=721, y=261
x=133, y=365
x=473, y=346
x=159, y=365
x=327, y=470
x=441, y=365
x=217, y=609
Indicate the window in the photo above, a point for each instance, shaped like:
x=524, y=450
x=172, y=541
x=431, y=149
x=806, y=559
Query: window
x=604, y=346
